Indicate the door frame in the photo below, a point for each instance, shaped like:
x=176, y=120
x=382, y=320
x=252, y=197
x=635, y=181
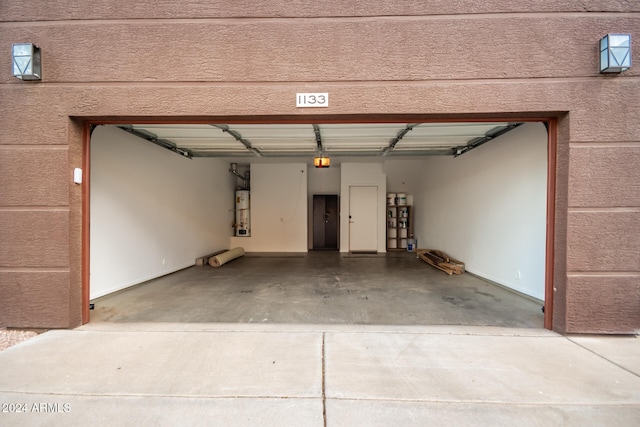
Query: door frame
x=312, y=216
x=551, y=121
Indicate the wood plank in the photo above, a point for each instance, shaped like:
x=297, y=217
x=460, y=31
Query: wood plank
x=441, y=261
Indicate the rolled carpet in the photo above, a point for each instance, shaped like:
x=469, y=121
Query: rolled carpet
x=225, y=257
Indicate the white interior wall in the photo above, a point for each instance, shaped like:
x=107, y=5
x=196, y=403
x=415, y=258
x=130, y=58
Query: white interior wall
x=362, y=174
x=278, y=213
x=488, y=208
x=152, y=211
x=321, y=181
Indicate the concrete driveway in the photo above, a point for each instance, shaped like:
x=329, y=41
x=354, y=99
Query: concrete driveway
x=314, y=375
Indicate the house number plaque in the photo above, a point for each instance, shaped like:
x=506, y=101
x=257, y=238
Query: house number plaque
x=312, y=99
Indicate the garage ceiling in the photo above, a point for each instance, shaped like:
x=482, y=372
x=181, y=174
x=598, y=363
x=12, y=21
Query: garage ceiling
x=296, y=140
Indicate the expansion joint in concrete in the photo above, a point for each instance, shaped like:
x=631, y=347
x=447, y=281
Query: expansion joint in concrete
x=601, y=357
x=324, y=396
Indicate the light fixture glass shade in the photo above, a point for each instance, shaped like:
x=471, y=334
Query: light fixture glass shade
x=26, y=61
x=615, y=53
x=321, y=162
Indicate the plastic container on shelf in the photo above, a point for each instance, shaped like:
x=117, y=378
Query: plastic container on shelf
x=401, y=199
x=391, y=198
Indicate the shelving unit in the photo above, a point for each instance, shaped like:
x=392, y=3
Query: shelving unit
x=399, y=226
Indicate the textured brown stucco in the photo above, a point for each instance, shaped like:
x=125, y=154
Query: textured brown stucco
x=596, y=186
x=74, y=303
x=153, y=9
x=47, y=292
x=602, y=304
x=603, y=241
x=267, y=99
x=377, y=59
x=33, y=176
x=560, y=226
x=34, y=238
x=396, y=48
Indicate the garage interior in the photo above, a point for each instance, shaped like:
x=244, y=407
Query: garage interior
x=162, y=195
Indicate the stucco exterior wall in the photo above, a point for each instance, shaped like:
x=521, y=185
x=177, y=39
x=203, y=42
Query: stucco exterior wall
x=378, y=60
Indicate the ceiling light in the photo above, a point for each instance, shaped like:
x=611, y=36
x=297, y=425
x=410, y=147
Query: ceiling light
x=615, y=53
x=26, y=61
x=321, y=162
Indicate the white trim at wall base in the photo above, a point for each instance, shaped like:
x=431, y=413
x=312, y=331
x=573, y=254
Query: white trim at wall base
x=139, y=281
x=506, y=287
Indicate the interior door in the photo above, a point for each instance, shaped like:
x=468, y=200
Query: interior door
x=325, y=221
x=363, y=219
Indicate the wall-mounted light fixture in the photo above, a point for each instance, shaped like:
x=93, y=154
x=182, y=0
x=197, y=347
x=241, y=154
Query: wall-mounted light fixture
x=615, y=53
x=321, y=162
x=26, y=61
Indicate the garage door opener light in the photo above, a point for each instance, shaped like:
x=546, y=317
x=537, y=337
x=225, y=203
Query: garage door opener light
x=321, y=162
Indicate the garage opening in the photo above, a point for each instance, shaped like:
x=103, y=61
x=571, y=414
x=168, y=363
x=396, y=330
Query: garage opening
x=163, y=195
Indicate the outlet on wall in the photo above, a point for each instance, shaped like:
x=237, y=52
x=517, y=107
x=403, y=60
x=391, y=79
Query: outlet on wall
x=164, y=262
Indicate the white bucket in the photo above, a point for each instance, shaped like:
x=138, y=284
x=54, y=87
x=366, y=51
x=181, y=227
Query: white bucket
x=402, y=199
x=391, y=198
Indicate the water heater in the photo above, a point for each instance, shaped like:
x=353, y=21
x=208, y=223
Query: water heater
x=242, y=213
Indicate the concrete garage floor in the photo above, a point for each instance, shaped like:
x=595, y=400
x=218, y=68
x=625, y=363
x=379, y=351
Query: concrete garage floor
x=321, y=288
